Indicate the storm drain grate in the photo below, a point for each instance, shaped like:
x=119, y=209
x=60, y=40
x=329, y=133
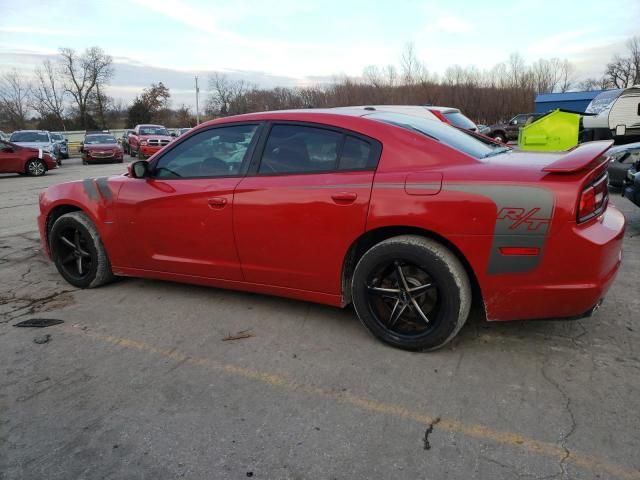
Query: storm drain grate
x=39, y=322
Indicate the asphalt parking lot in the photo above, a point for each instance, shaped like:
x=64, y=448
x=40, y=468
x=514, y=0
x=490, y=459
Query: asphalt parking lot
x=138, y=382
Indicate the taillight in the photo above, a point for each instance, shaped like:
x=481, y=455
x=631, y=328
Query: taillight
x=593, y=199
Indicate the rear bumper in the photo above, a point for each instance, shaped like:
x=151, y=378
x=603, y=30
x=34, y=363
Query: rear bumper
x=580, y=265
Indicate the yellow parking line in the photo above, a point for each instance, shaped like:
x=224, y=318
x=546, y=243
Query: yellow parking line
x=478, y=431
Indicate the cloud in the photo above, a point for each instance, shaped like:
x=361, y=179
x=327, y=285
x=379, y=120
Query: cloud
x=453, y=24
x=40, y=31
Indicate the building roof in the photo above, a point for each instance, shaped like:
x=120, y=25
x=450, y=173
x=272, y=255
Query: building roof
x=567, y=96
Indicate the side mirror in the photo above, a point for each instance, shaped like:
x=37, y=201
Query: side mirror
x=139, y=169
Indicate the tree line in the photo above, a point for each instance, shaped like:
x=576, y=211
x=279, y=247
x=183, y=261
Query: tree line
x=70, y=92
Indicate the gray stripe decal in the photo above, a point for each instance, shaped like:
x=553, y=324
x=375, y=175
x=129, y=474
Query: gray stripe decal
x=90, y=189
x=524, y=216
x=103, y=185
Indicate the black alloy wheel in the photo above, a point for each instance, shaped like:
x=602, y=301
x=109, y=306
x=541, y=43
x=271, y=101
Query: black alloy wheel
x=73, y=248
x=403, y=298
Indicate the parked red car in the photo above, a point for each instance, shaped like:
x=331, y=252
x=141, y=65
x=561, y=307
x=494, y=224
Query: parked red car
x=408, y=219
x=101, y=148
x=24, y=160
x=148, y=139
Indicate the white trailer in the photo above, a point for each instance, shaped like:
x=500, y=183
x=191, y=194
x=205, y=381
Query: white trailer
x=614, y=114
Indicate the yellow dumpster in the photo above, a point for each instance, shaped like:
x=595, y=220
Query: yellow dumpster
x=554, y=132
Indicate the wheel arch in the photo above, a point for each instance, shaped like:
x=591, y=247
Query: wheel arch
x=56, y=212
x=26, y=163
x=372, y=237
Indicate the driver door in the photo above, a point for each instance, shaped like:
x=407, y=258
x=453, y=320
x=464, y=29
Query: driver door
x=179, y=219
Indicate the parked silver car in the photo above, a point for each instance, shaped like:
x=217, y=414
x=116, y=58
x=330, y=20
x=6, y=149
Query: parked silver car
x=40, y=139
x=62, y=144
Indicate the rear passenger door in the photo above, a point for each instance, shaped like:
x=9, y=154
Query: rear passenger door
x=304, y=202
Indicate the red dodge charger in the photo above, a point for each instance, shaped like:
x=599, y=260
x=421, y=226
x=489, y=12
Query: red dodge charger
x=408, y=219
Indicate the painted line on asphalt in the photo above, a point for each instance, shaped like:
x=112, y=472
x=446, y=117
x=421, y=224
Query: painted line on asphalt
x=477, y=431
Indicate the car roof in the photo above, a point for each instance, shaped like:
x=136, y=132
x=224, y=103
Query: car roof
x=37, y=131
x=415, y=110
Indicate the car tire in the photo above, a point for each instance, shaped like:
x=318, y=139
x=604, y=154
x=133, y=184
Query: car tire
x=500, y=137
x=422, y=308
x=35, y=168
x=84, y=162
x=77, y=251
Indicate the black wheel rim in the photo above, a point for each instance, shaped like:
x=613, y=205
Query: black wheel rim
x=73, y=253
x=403, y=299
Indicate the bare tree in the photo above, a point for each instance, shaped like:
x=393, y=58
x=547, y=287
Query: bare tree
x=82, y=73
x=566, y=75
x=15, y=95
x=228, y=97
x=48, y=94
x=413, y=71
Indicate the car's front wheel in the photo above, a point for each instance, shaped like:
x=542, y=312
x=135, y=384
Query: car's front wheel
x=78, y=252
x=411, y=292
x=35, y=167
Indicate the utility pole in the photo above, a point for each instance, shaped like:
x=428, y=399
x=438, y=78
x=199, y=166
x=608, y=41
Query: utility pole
x=197, y=107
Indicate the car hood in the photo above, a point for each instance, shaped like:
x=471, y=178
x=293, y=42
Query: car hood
x=35, y=145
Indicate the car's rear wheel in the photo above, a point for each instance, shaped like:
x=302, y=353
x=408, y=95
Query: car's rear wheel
x=411, y=292
x=78, y=252
x=35, y=167
x=500, y=137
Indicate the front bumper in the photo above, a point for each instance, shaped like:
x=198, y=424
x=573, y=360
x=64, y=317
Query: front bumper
x=148, y=150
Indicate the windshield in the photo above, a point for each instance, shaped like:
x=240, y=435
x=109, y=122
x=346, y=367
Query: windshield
x=40, y=137
x=153, y=131
x=57, y=136
x=441, y=132
x=99, y=139
x=459, y=120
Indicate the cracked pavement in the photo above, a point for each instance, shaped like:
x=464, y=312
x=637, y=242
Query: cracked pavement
x=137, y=383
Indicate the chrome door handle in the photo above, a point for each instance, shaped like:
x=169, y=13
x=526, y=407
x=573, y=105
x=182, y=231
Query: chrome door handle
x=344, y=197
x=217, y=202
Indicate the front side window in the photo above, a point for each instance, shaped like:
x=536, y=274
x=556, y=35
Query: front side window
x=300, y=149
x=217, y=152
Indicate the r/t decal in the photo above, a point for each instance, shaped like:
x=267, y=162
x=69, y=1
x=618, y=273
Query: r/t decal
x=520, y=217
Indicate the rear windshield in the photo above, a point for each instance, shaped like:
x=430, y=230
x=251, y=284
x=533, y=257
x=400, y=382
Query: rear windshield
x=439, y=131
x=99, y=139
x=459, y=120
x=29, y=137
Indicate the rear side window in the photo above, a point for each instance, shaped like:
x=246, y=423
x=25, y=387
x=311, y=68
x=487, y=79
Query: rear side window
x=356, y=154
x=438, y=131
x=459, y=120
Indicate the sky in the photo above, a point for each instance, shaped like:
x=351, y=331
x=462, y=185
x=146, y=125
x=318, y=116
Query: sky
x=301, y=42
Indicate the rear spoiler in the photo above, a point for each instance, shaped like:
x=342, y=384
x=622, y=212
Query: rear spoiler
x=579, y=158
